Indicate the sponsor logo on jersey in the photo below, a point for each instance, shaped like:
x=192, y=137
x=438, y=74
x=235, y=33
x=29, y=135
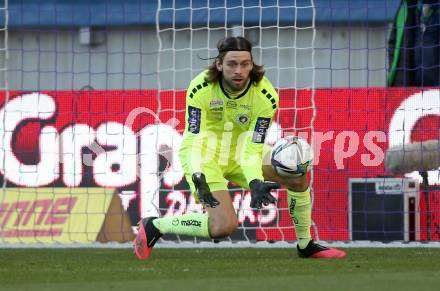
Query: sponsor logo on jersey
x=191, y=222
x=246, y=106
x=216, y=103
x=242, y=118
x=260, y=130
x=231, y=104
x=216, y=109
x=194, y=115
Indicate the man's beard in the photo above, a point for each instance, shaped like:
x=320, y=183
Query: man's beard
x=233, y=87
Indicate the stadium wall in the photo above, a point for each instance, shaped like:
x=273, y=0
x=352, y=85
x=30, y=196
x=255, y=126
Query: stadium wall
x=53, y=59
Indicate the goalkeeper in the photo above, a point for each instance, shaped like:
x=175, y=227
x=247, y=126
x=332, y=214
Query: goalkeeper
x=229, y=108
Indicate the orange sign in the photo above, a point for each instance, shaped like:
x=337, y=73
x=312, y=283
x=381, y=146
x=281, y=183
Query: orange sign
x=52, y=215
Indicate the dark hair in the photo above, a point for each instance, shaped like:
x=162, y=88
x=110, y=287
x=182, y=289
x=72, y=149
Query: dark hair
x=233, y=43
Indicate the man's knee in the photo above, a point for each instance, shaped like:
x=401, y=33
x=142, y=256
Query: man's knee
x=221, y=230
x=298, y=184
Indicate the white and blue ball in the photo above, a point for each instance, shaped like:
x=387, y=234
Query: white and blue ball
x=291, y=157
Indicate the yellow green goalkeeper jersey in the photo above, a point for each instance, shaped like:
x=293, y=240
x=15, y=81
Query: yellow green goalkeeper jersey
x=223, y=132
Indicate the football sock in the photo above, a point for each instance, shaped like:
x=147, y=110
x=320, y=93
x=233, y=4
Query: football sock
x=301, y=213
x=192, y=224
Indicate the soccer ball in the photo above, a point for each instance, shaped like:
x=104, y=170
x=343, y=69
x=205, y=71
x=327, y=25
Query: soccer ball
x=291, y=157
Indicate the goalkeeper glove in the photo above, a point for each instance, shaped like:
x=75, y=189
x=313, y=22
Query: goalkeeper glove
x=260, y=193
x=203, y=192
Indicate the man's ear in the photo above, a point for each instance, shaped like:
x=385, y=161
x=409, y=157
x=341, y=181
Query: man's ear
x=219, y=64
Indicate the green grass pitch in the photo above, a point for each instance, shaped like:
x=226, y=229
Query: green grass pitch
x=218, y=269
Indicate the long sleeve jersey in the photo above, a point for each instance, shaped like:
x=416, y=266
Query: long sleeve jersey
x=222, y=131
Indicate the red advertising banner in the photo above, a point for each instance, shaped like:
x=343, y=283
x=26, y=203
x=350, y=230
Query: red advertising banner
x=112, y=138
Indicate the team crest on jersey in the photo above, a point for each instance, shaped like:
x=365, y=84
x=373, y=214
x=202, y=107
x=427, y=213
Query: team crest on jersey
x=243, y=118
